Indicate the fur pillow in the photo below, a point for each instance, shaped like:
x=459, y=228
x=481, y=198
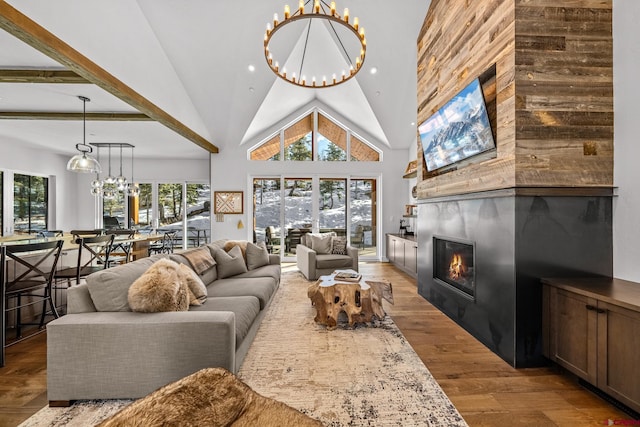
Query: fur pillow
x=257, y=256
x=231, y=263
x=197, y=289
x=160, y=288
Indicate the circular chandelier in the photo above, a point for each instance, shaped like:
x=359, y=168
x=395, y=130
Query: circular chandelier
x=327, y=12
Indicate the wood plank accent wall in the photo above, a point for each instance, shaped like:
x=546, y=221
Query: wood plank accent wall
x=564, y=93
x=553, y=89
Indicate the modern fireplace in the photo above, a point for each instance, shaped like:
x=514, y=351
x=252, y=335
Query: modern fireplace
x=454, y=265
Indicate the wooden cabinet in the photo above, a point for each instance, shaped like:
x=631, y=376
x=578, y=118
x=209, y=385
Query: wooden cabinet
x=402, y=251
x=591, y=327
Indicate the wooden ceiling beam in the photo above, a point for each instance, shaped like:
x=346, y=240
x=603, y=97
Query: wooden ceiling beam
x=99, y=117
x=36, y=36
x=41, y=76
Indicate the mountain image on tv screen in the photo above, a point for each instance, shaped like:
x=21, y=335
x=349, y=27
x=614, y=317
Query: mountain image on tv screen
x=458, y=130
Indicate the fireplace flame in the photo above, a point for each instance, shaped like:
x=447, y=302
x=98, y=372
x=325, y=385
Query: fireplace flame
x=456, y=268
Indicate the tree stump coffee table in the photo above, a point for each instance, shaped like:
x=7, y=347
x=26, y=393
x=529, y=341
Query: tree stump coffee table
x=360, y=300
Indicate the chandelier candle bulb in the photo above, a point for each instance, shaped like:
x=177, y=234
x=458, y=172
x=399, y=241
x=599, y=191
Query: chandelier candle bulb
x=276, y=66
x=316, y=6
x=361, y=32
x=334, y=79
x=284, y=73
x=346, y=14
x=301, y=7
x=313, y=80
x=275, y=20
x=268, y=29
x=333, y=8
x=324, y=80
x=287, y=12
x=304, y=80
x=356, y=23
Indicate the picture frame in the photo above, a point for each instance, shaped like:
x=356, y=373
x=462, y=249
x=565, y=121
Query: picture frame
x=228, y=202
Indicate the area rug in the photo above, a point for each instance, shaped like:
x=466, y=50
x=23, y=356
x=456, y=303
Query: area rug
x=367, y=375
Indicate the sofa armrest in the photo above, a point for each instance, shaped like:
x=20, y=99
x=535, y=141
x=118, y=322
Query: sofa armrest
x=110, y=355
x=353, y=253
x=306, y=261
x=274, y=259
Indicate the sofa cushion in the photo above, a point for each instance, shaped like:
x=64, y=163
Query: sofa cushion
x=257, y=256
x=230, y=263
x=271, y=270
x=245, y=308
x=161, y=288
x=198, y=290
x=333, y=261
x=259, y=287
x=109, y=288
x=79, y=300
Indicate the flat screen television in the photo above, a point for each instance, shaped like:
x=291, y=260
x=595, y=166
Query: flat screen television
x=458, y=130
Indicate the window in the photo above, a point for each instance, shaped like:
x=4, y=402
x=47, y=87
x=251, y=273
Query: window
x=143, y=212
x=113, y=209
x=30, y=203
x=298, y=140
x=315, y=137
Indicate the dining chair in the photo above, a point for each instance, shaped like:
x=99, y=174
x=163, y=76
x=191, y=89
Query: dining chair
x=26, y=270
x=164, y=246
x=93, y=255
x=50, y=233
x=87, y=233
x=122, y=246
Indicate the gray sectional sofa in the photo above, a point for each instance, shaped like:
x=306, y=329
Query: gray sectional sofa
x=102, y=350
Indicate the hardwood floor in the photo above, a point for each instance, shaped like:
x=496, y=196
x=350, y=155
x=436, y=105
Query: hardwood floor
x=484, y=388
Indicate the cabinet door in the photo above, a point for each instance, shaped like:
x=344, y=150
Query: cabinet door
x=411, y=257
x=573, y=332
x=390, y=249
x=619, y=353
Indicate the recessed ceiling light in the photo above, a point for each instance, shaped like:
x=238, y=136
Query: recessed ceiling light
x=413, y=123
x=251, y=68
x=251, y=89
x=373, y=70
x=377, y=93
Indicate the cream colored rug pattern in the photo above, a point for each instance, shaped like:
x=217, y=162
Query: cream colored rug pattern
x=362, y=376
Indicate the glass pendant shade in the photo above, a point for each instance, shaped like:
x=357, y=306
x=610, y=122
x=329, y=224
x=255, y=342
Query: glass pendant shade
x=96, y=191
x=134, y=190
x=96, y=183
x=83, y=163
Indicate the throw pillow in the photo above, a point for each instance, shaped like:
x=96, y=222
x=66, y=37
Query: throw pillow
x=230, y=263
x=321, y=243
x=160, y=288
x=196, y=287
x=242, y=244
x=338, y=245
x=200, y=259
x=257, y=256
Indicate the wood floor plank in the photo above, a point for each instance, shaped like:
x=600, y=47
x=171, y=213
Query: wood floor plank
x=486, y=390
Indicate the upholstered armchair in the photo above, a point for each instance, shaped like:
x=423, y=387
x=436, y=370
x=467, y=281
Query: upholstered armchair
x=321, y=254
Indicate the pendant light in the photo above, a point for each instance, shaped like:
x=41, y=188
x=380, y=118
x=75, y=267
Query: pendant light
x=96, y=184
x=133, y=188
x=121, y=180
x=110, y=179
x=82, y=162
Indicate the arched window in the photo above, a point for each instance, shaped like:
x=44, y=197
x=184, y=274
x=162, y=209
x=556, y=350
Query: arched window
x=315, y=137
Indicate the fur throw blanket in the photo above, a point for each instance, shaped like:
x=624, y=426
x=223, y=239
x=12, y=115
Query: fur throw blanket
x=211, y=397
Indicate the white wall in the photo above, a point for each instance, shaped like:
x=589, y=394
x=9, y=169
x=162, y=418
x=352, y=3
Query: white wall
x=626, y=58
x=19, y=159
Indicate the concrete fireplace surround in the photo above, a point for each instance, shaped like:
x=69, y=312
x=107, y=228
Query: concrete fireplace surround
x=520, y=235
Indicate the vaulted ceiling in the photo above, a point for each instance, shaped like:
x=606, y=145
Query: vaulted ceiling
x=182, y=73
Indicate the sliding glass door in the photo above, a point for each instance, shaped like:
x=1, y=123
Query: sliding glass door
x=286, y=208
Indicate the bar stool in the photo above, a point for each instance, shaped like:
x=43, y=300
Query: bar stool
x=96, y=250
x=32, y=270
